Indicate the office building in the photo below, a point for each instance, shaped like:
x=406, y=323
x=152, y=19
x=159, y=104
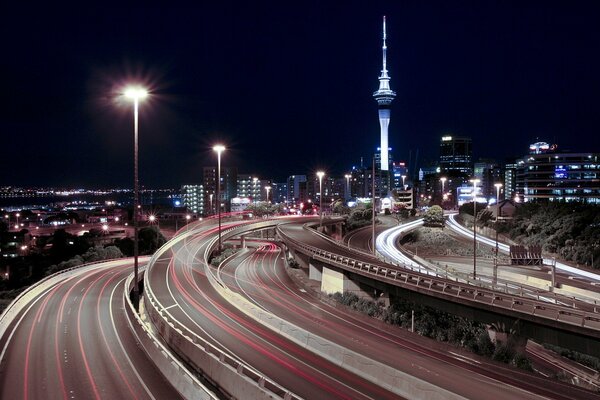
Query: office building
x=547, y=174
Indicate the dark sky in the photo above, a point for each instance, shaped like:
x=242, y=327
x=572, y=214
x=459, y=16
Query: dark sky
x=287, y=86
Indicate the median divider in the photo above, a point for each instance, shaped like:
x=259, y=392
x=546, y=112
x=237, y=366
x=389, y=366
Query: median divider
x=225, y=372
x=394, y=380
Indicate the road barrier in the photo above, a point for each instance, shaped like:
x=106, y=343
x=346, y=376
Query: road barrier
x=588, y=322
x=234, y=378
x=182, y=379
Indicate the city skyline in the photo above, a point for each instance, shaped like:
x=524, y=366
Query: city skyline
x=282, y=87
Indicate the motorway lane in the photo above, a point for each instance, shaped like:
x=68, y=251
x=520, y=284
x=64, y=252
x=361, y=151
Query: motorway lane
x=260, y=276
x=74, y=342
x=183, y=290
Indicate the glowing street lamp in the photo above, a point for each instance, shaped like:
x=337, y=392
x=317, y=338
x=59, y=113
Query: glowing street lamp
x=443, y=180
x=320, y=174
x=348, y=194
x=498, y=186
x=403, y=179
x=474, y=182
x=187, y=222
x=267, y=188
x=135, y=94
x=255, y=190
x=219, y=148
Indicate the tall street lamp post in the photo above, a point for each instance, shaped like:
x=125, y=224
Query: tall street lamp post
x=255, y=190
x=498, y=186
x=403, y=179
x=136, y=94
x=443, y=180
x=320, y=174
x=475, y=182
x=267, y=188
x=348, y=194
x=219, y=148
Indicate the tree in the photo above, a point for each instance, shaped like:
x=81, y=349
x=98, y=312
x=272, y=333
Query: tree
x=340, y=208
x=434, y=216
x=150, y=239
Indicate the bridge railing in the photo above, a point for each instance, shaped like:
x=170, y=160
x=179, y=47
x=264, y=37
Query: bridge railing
x=234, y=377
x=448, y=288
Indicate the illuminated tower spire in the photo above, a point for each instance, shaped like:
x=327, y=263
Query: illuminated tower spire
x=384, y=96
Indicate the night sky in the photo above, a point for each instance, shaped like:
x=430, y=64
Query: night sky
x=287, y=86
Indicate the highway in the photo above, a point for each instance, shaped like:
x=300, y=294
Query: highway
x=180, y=285
x=454, y=225
x=73, y=341
x=259, y=275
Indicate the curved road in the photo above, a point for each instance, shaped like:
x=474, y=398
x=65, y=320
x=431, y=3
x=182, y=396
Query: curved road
x=74, y=341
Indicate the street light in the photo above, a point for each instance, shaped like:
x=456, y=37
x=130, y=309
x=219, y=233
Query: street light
x=348, y=194
x=475, y=182
x=320, y=174
x=255, y=193
x=187, y=222
x=443, y=180
x=135, y=94
x=498, y=186
x=403, y=179
x=267, y=188
x=219, y=148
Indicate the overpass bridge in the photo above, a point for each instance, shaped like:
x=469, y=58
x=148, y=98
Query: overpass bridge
x=339, y=268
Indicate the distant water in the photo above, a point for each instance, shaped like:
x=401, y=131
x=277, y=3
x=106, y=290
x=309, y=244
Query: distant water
x=124, y=199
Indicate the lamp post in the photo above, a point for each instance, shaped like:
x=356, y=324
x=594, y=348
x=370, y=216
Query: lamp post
x=267, y=188
x=135, y=94
x=475, y=182
x=348, y=194
x=403, y=179
x=443, y=180
x=219, y=148
x=187, y=222
x=320, y=174
x=255, y=193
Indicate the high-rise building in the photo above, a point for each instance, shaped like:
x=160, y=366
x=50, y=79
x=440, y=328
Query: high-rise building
x=249, y=186
x=489, y=173
x=296, y=188
x=384, y=97
x=193, y=198
x=549, y=175
x=510, y=179
x=279, y=192
x=228, y=187
x=456, y=155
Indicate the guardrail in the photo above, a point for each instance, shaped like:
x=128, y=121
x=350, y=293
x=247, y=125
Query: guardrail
x=235, y=378
x=182, y=379
x=451, y=289
x=394, y=380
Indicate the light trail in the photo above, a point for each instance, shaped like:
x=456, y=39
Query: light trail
x=458, y=228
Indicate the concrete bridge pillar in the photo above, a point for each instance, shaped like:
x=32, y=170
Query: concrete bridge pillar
x=315, y=272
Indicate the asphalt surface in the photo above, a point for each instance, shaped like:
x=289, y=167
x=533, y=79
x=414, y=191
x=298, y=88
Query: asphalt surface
x=182, y=288
x=461, y=377
x=74, y=342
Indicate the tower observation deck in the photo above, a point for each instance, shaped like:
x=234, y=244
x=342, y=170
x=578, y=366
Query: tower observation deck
x=384, y=97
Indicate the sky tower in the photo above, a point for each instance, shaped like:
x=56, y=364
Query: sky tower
x=384, y=96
